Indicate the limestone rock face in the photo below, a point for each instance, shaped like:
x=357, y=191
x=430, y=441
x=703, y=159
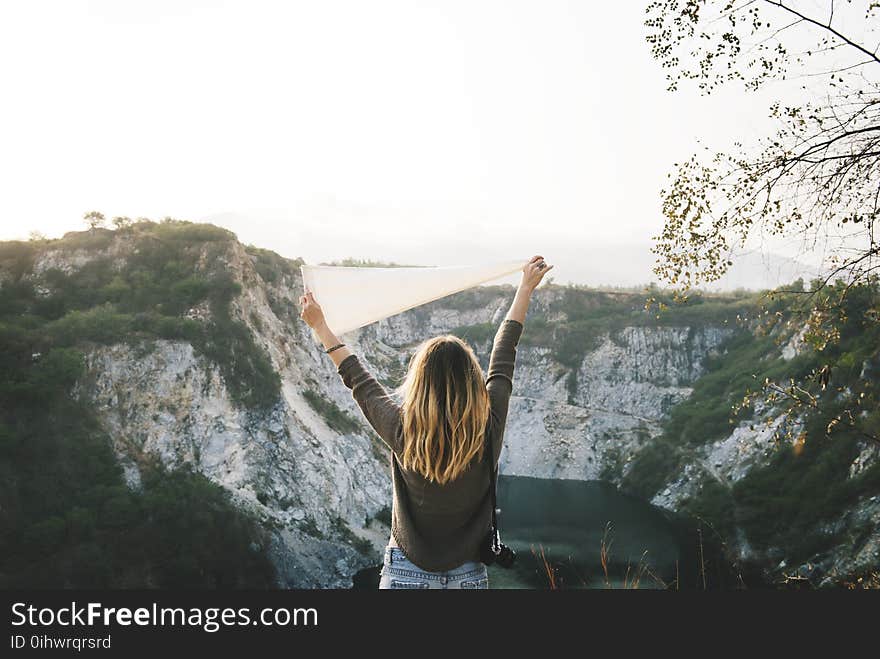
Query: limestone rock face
x=319, y=489
x=302, y=478
x=622, y=392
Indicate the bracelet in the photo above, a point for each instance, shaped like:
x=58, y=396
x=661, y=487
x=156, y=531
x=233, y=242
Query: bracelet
x=338, y=345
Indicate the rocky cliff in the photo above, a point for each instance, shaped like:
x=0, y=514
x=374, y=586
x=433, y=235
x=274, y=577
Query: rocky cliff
x=314, y=473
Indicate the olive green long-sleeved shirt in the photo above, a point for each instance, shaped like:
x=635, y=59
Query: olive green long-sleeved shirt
x=439, y=527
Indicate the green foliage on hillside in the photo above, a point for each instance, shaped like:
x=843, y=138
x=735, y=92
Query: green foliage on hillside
x=336, y=418
x=475, y=334
x=706, y=414
x=169, y=268
x=582, y=317
x=806, y=484
x=68, y=520
x=16, y=258
x=384, y=515
x=573, y=320
x=786, y=503
x=246, y=368
x=360, y=545
x=479, y=297
x=270, y=266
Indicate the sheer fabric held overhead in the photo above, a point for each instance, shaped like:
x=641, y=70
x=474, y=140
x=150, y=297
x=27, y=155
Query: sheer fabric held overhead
x=352, y=297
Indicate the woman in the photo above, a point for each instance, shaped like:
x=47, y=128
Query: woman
x=441, y=507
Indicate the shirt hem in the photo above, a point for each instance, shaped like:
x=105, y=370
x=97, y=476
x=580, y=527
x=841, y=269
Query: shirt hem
x=414, y=560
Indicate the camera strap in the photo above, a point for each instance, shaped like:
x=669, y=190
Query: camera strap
x=493, y=476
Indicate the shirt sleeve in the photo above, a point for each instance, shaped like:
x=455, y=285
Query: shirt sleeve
x=380, y=410
x=499, y=379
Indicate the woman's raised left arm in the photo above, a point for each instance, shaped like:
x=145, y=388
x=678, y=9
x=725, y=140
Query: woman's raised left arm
x=379, y=408
x=328, y=340
x=382, y=413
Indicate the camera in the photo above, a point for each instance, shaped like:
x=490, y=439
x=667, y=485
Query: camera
x=495, y=551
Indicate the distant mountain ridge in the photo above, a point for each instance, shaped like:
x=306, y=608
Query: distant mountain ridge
x=577, y=259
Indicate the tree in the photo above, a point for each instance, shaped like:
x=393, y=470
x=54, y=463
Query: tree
x=94, y=220
x=121, y=222
x=817, y=178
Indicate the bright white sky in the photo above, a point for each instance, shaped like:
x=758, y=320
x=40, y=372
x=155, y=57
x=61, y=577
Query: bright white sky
x=367, y=129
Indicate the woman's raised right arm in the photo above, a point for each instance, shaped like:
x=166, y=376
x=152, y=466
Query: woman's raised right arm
x=499, y=379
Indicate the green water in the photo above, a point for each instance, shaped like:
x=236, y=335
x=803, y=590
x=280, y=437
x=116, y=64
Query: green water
x=569, y=520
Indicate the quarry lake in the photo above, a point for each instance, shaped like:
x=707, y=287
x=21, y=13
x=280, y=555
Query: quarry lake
x=570, y=521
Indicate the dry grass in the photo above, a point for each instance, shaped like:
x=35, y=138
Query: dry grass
x=550, y=572
x=635, y=576
x=870, y=581
x=632, y=578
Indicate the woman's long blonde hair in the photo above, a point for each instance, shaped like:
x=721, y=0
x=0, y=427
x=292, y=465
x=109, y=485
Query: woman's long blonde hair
x=444, y=409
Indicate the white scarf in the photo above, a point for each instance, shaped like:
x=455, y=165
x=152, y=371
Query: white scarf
x=354, y=297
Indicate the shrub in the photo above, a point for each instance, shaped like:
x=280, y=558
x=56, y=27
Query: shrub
x=183, y=231
x=475, y=334
x=93, y=239
x=338, y=419
x=17, y=258
x=361, y=545
x=384, y=515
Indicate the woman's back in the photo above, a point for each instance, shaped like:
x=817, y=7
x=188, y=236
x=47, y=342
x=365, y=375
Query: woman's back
x=440, y=525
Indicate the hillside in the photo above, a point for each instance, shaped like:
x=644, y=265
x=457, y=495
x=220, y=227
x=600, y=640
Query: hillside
x=167, y=418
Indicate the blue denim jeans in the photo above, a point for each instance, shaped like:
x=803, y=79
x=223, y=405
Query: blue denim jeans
x=398, y=573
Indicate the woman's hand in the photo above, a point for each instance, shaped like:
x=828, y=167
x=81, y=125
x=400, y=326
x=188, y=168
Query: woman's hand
x=314, y=317
x=533, y=273
x=311, y=311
